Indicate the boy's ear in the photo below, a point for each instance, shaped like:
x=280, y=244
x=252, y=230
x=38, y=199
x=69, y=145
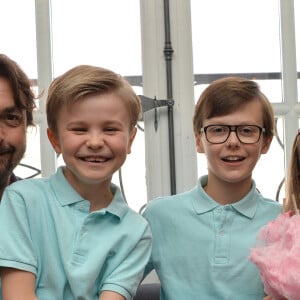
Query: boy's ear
x=131, y=139
x=266, y=144
x=199, y=145
x=53, y=140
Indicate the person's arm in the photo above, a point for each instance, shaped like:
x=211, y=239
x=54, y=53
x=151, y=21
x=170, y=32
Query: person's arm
x=126, y=276
x=18, y=284
x=109, y=295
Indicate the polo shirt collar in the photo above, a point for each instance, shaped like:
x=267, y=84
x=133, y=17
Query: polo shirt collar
x=248, y=205
x=202, y=203
x=66, y=195
x=118, y=206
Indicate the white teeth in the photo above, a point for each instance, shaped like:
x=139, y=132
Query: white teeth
x=233, y=158
x=95, y=159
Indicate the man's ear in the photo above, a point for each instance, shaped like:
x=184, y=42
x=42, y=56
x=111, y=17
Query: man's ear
x=266, y=144
x=54, y=140
x=199, y=145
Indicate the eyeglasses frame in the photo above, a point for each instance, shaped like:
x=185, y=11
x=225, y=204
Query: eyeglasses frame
x=234, y=129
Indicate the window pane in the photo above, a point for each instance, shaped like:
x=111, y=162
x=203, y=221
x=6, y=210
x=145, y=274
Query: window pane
x=267, y=175
x=242, y=38
x=98, y=32
x=32, y=155
x=17, y=31
x=297, y=32
x=18, y=41
x=238, y=37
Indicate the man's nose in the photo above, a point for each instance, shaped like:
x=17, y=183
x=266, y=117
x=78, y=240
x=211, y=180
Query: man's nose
x=3, y=130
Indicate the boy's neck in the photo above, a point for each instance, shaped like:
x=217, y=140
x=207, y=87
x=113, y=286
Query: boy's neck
x=100, y=202
x=98, y=194
x=227, y=193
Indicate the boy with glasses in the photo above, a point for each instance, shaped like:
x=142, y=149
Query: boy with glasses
x=202, y=238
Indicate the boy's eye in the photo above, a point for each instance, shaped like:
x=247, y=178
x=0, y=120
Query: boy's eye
x=78, y=129
x=111, y=129
x=247, y=130
x=218, y=129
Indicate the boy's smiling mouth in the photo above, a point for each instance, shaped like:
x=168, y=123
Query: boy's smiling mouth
x=233, y=158
x=97, y=159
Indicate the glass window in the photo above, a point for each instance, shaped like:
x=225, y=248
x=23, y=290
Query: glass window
x=100, y=33
x=237, y=37
x=97, y=32
x=297, y=25
x=17, y=31
x=30, y=165
x=241, y=38
x=18, y=41
x=268, y=176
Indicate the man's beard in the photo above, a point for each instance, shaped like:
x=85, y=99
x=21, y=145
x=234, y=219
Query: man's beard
x=6, y=165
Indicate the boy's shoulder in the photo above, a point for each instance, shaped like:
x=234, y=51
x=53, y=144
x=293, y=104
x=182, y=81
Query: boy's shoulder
x=134, y=216
x=267, y=206
x=27, y=184
x=163, y=203
x=32, y=192
x=270, y=202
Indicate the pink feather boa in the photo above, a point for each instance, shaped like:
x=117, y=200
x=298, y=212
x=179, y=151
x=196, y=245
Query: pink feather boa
x=277, y=256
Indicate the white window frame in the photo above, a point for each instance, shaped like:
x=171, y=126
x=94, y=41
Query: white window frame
x=154, y=85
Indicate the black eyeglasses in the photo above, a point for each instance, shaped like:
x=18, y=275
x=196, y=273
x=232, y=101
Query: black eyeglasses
x=219, y=134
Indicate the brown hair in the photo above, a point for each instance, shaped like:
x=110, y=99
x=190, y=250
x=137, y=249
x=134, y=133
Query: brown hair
x=85, y=80
x=293, y=177
x=21, y=86
x=228, y=94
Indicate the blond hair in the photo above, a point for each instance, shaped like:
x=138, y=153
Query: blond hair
x=84, y=80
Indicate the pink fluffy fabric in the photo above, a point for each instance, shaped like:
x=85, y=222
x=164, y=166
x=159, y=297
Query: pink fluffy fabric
x=277, y=256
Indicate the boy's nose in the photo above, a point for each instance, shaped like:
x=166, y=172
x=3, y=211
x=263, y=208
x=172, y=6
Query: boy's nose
x=95, y=140
x=233, y=138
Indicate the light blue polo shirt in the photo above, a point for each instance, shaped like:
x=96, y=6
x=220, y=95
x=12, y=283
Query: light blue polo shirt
x=201, y=248
x=46, y=229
